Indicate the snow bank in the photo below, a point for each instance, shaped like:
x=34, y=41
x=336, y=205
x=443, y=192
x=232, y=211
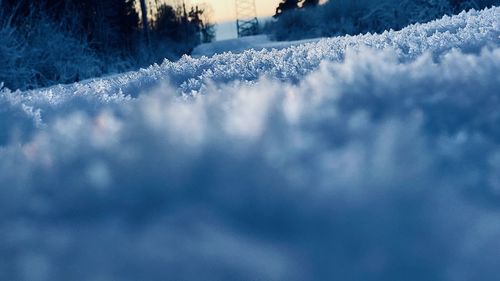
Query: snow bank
x=468, y=31
x=374, y=157
x=239, y=45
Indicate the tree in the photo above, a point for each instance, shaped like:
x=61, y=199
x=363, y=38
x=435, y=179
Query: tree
x=145, y=24
x=103, y=33
x=207, y=26
x=286, y=5
x=200, y=19
x=168, y=24
x=310, y=3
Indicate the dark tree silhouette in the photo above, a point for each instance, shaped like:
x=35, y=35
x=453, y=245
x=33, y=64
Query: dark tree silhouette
x=62, y=41
x=145, y=23
x=201, y=24
x=179, y=30
x=310, y=3
x=168, y=24
x=285, y=6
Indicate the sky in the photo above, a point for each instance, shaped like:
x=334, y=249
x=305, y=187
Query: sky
x=225, y=10
x=224, y=14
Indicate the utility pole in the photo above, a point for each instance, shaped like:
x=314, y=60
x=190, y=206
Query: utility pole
x=247, y=23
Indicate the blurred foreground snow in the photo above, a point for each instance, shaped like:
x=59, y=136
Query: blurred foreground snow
x=372, y=157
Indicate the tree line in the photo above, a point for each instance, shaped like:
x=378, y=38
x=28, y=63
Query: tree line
x=299, y=19
x=44, y=42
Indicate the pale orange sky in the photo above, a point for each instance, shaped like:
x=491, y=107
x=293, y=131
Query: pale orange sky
x=224, y=13
x=225, y=10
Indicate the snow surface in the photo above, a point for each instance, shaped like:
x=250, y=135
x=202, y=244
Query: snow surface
x=239, y=45
x=371, y=157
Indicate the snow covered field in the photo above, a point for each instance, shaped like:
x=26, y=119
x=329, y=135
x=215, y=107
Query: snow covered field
x=371, y=157
x=239, y=45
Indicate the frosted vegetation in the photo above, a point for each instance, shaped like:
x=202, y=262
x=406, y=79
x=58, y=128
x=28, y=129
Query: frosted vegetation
x=370, y=157
x=48, y=42
x=43, y=53
x=341, y=17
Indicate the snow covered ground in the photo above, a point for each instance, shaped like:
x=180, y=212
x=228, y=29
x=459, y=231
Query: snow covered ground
x=371, y=157
x=235, y=46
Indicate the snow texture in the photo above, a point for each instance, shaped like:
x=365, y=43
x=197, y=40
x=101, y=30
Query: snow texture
x=371, y=157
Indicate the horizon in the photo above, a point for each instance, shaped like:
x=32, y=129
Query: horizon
x=227, y=30
x=225, y=10
x=224, y=15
